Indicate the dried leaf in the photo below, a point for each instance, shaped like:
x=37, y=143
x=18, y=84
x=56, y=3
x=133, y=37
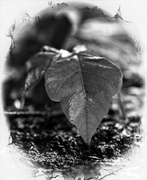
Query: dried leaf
x=84, y=84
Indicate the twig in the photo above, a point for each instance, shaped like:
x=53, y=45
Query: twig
x=24, y=113
x=111, y=173
x=33, y=113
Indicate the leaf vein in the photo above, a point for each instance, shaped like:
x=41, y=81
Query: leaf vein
x=66, y=79
x=110, y=82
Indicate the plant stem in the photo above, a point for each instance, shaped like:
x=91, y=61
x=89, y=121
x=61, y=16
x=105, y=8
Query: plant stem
x=22, y=101
x=122, y=109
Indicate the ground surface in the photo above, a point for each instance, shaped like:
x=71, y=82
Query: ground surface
x=49, y=141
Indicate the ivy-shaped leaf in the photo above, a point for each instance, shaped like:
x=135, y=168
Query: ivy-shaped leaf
x=84, y=84
x=37, y=67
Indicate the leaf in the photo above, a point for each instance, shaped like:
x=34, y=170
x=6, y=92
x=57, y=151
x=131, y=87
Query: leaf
x=37, y=67
x=85, y=85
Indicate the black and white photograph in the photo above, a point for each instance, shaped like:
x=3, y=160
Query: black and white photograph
x=73, y=90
